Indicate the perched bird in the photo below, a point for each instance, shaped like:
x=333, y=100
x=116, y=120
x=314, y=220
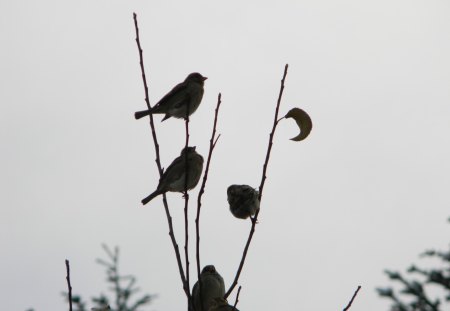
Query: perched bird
x=213, y=287
x=243, y=200
x=184, y=97
x=173, y=178
x=221, y=304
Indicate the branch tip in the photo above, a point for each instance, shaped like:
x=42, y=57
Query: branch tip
x=254, y=220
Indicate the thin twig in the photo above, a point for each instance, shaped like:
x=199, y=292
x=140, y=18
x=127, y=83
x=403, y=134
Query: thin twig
x=237, y=299
x=147, y=100
x=68, y=284
x=212, y=145
x=186, y=205
x=269, y=149
x=175, y=246
x=158, y=162
x=353, y=298
x=261, y=187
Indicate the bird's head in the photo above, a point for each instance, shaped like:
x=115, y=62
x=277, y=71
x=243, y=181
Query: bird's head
x=187, y=150
x=209, y=269
x=196, y=77
x=232, y=189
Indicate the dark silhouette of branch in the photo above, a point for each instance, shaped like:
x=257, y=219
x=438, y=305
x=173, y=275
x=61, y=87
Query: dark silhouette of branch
x=436, y=276
x=158, y=162
x=353, y=298
x=186, y=205
x=237, y=298
x=261, y=187
x=212, y=145
x=68, y=284
x=414, y=288
x=413, y=295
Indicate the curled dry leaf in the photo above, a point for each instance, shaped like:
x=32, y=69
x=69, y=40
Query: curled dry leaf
x=303, y=121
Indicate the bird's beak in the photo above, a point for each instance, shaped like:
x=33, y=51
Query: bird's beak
x=204, y=78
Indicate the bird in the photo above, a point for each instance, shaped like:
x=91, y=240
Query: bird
x=213, y=287
x=243, y=200
x=221, y=304
x=173, y=178
x=184, y=97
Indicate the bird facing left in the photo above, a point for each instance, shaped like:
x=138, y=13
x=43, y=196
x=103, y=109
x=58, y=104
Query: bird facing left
x=174, y=177
x=182, y=101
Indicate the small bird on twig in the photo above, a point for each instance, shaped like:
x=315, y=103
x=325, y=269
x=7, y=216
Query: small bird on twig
x=243, y=200
x=184, y=97
x=174, y=178
x=213, y=287
x=221, y=304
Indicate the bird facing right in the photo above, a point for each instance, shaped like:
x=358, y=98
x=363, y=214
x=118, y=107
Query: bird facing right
x=243, y=200
x=213, y=287
x=174, y=177
x=182, y=101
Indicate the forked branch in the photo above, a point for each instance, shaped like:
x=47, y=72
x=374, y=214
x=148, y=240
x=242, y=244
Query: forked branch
x=158, y=162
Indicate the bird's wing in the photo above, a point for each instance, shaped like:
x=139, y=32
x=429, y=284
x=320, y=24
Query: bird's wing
x=244, y=195
x=176, y=97
x=175, y=170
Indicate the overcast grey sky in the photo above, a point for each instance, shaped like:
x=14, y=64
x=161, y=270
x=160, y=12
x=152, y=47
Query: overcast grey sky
x=368, y=190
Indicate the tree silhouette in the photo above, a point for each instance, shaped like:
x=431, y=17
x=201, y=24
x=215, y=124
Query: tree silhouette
x=414, y=294
x=123, y=288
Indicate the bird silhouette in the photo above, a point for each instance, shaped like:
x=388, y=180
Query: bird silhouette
x=182, y=101
x=174, y=177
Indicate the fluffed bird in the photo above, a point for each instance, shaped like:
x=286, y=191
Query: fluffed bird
x=184, y=97
x=243, y=200
x=221, y=304
x=213, y=287
x=173, y=178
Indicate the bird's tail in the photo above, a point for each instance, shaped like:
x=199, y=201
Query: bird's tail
x=151, y=197
x=141, y=114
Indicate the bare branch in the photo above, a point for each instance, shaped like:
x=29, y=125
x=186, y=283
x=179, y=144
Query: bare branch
x=353, y=298
x=237, y=298
x=186, y=205
x=269, y=148
x=158, y=161
x=68, y=284
x=212, y=145
x=261, y=187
